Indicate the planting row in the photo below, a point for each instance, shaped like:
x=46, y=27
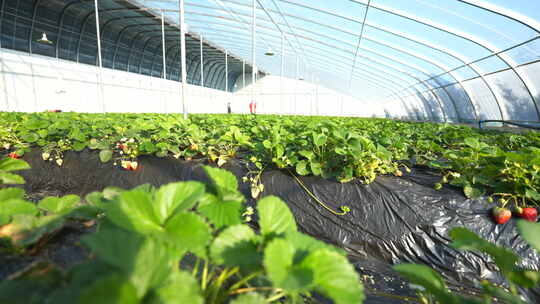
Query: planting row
x=502, y=165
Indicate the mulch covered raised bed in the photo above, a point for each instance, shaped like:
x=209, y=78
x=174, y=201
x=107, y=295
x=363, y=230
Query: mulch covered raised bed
x=393, y=220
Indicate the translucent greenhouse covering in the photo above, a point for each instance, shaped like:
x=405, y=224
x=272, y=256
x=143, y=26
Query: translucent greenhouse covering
x=455, y=60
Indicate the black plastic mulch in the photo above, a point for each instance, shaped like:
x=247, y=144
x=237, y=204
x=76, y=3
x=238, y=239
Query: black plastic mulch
x=393, y=220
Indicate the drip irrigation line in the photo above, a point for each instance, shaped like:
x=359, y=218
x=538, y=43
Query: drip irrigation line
x=344, y=209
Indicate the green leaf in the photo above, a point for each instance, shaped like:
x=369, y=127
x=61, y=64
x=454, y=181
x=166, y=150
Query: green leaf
x=224, y=184
x=96, y=199
x=177, y=197
x=340, y=151
x=428, y=278
x=113, y=289
x=25, y=230
x=250, y=298
x=220, y=213
x=278, y=263
x=279, y=151
x=10, y=178
x=146, y=262
x=79, y=146
x=17, y=206
x=147, y=146
x=472, y=142
x=85, y=212
x=267, y=144
x=501, y=294
x=110, y=193
x=11, y=193
x=4, y=220
x=304, y=244
x=334, y=276
x=189, y=232
x=180, y=288
x=134, y=210
x=30, y=137
x=79, y=278
x=307, y=154
x=59, y=204
x=236, y=246
x=316, y=168
x=274, y=216
x=11, y=164
x=524, y=278
x=530, y=232
x=532, y=194
x=467, y=240
x=301, y=168
x=93, y=144
x=105, y=155
x=473, y=192
x=319, y=139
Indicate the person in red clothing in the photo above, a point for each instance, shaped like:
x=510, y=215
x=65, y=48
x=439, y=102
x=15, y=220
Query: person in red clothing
x=252, y=107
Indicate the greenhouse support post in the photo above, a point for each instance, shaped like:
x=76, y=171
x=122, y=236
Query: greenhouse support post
x=281, y=72
x=202, y=61
x=100, y=63
x=253, y=57
x=183, y=57
x=163, y=45
x=296, y=83
x=226, y=71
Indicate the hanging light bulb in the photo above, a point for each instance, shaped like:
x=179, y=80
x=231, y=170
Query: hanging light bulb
x=44, y=39
x=269, y=52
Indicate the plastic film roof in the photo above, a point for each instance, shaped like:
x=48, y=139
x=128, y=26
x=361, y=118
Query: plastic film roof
x=451, y=60
x=443, y=53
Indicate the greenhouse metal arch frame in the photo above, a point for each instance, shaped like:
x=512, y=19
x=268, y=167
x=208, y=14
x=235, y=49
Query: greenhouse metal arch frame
x=119, y=22
x=510, y=64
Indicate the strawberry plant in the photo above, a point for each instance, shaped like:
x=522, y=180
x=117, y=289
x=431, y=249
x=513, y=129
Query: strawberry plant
x=502, y=165
x=185, y=243
x=23, y=223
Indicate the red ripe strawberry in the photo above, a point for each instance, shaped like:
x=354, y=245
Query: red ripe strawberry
x=122, y=147
x=529, y=214
x=14, y=155
x=501, y=215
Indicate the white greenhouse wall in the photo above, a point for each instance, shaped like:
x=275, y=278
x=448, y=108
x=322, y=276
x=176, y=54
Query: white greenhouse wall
x=34, y=83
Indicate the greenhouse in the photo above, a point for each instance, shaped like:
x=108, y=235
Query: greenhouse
x=269, y=151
